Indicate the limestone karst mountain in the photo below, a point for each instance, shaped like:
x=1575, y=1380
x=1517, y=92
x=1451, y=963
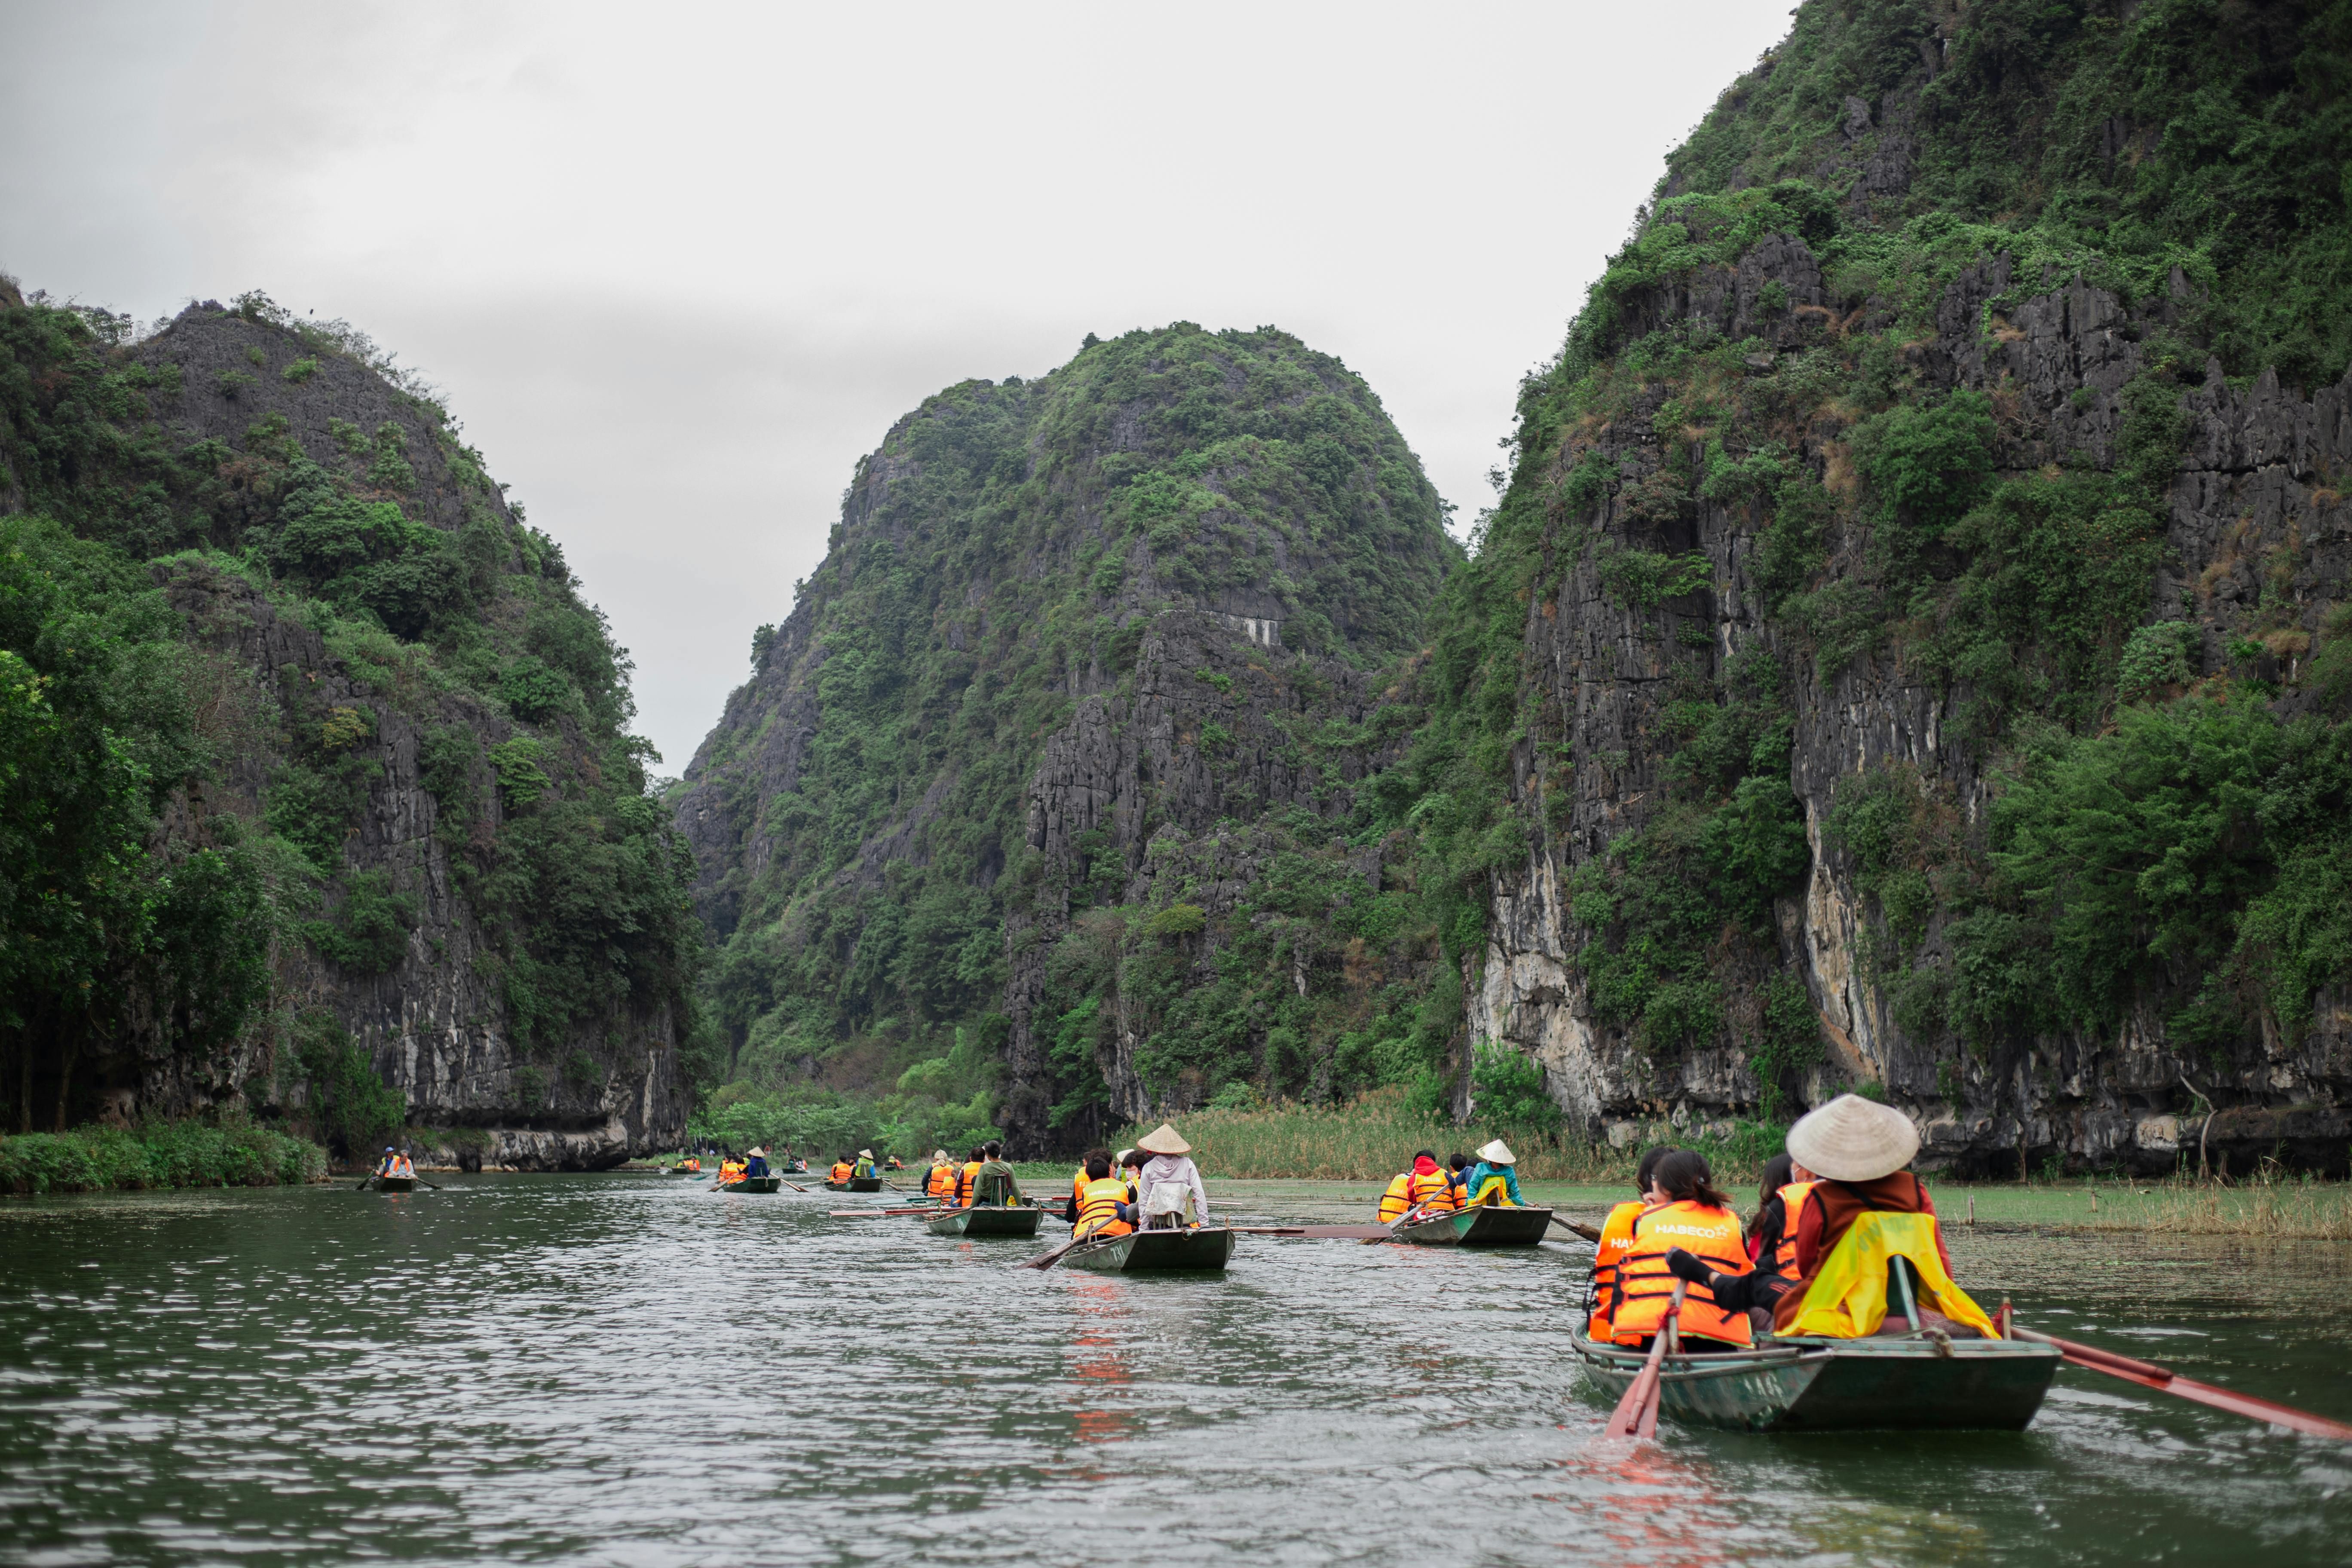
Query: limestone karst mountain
x=319, y=800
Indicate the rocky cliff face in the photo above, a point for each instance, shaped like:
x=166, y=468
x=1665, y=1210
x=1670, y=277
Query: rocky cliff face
x=409, y=727
x=1078, y=643
x=1747, y=570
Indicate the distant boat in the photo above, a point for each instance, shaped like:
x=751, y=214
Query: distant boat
x=1481, y=1225
x=986, y=1220
x=1842, y=1386
x=1157, y=1252
x=395, y=1183
x=857, y=1185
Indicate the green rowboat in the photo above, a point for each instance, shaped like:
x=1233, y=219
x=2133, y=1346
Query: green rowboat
x=1486, y=1225
x=985, y=1220
x=1842, y=1386
x=395, y=1183
x=856, y=1185
x=753, y=1184
x=1204, y=1251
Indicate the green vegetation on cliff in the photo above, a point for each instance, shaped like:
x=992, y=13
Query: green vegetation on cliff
x=2185, y=155
x=145, y=915
x=1005, y=554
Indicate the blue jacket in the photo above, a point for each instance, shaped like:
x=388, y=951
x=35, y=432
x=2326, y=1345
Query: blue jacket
x=1476, y=1178
x=755, y=1166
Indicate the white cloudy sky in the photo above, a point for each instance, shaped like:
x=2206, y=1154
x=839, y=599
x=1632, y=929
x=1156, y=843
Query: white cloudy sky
x=676, y=267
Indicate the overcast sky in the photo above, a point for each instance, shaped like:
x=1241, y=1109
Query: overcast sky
x=676, y=268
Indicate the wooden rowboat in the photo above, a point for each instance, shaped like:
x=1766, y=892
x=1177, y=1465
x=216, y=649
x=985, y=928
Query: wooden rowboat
x=395, y=1183
x=1842, y=1386
x=985, y=1220
x=1483, y=1224
x=752, y=1185
x=1157, y=1252
x=856, y=1185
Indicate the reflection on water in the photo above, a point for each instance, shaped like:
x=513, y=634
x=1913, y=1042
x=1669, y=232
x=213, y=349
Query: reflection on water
x=629, y=1370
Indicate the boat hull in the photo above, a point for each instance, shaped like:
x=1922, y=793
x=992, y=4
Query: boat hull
x=1486, y=1225
x=856, y=1185
x=986, y=1221
x=395, y=1183
x=1202, y=1251
x=1843, y=1386
x=753, y=1184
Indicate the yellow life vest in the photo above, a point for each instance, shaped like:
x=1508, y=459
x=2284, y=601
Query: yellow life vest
x=1847, y=1300
x=1397, y=1199
x=1098, y=1208
x=1494, y=1190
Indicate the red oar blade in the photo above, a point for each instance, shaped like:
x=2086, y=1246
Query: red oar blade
x=1636, y=1415
x=2147, y=1375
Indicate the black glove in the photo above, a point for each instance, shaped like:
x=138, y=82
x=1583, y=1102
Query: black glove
x=1683, y=1265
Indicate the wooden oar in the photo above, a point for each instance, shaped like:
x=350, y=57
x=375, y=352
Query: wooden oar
x=1636, y=1415
x=1316, y=1231
x=1047, y=1259
x=2147, y=1375
x=883, y=1213
x=1573, y=1229
x=364, y=1180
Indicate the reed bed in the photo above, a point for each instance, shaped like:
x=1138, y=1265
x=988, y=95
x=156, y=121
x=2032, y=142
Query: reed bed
x=1373, y=1138
x=157, y=1154
x=2276, y=1207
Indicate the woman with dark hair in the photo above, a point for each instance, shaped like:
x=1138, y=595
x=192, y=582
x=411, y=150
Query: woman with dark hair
x=1616, y=1236
x=1690, y=1216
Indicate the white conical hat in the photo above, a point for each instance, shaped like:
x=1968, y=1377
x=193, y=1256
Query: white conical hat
x=939, y=1157
x=1164, y=1139
x=1498, y=1154
x=1854, y=1140
x=865, y=1153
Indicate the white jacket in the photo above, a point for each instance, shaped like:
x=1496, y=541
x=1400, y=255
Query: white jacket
x=1174, y=1168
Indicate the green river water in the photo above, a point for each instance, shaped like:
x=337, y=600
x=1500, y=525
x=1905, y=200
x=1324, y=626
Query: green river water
x=630, y=1370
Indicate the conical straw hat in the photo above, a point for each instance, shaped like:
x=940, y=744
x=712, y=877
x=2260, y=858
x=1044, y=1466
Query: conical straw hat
x=1498, y=1154
x=939, y=1157
x=1163, y=1139
x=865, y=1153
x=1854, y=1140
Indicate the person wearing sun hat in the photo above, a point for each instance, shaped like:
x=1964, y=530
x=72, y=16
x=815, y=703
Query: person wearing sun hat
x=1863, y=1210
x=1171, y=1167
x=755, y=1164
x=1494, y=1179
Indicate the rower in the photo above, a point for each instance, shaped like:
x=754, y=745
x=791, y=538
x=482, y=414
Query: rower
x=841, y=1168
x=1171, y=1193
x=1494, y=1179
x=1616, y=1236
x=896, y=1163
x=1869, y=1253
x=755, y=1164
x=865, y=1166
x=994, y=1183
x=1689, y=1218
x=1425, y=1188
x=1105, y=1208
x=941, y=1182
x=971, y=1168
x=389, y=1164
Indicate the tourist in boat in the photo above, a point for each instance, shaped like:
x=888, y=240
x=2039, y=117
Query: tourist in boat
x=1105, y=1204
x=1494, y=1179
x=1425, y=1188
x=865, y=1166
x=896, y=1163
x=967, y=1173
x=1616, y=1236
x=389, y=1164
x=842, y=1167
x=1169, y=1186
x=1078, y=1180
x=993, y=1183
x=755, y=1164
x=1687, y=1215
x=941, y=1182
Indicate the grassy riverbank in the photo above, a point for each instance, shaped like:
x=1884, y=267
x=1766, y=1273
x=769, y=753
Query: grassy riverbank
x=157, y=1154
x=1374, y=1138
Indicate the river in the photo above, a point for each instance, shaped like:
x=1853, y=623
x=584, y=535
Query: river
x=626, y=1369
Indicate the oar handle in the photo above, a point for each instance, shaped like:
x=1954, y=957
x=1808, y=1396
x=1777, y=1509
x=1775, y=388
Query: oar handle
x=2094, y=1353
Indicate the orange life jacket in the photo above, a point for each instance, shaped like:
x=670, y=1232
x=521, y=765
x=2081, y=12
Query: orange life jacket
x=1792, y=1204
x=1638, y=1304
x=1098, y=1208
x=840, y=1171
x=941, y=1183
x=963, y=1182
x=1433, y=1191
x=1616, y=1236
x=1394, y=1202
